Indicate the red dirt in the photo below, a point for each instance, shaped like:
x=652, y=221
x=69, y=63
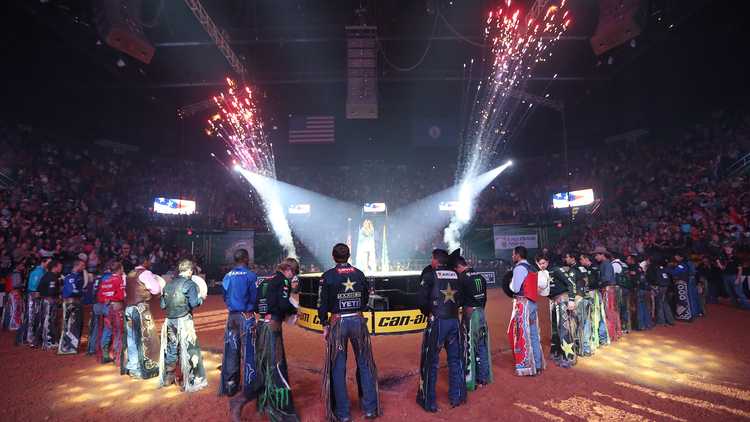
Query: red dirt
x=698, y=371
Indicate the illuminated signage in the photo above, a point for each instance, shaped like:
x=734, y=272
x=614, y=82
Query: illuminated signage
x=449, y=206
x=301, y=209
x=174, y=206
x=578, y=198
x=374, y=207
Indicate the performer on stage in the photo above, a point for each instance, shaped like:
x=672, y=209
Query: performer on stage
x=240, y=294
x=636, y=277
x=366, y=256
x=31, y=319
x=72, y=328
x=608, y=291
x=562, y=293
x=141, y=356
x=523, y=330
x=49, y=291
x=179, y=342
x=111, y=294
x=439, y=299
x=344, y=292
x=272, y=379
x=478, y=363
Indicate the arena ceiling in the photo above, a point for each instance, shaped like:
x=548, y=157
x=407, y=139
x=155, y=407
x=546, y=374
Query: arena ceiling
x=59, y=75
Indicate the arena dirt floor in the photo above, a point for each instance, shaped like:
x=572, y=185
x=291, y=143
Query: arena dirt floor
x=692, y=371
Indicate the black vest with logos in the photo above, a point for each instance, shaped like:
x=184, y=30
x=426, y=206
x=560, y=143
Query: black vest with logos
x=445, y=295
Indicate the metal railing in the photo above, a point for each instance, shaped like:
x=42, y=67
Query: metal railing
x=739, y=166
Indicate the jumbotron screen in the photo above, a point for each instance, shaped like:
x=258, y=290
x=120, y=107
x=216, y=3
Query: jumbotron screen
x=374, y=207
x=449, y=206
x=299, y=209
x=577, y=198
x=174, y=206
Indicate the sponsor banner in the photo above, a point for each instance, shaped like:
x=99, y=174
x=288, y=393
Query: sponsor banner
x=308, y=318
x=385, y=322
x=389, y=322
x=510, y=241
x=488, y=275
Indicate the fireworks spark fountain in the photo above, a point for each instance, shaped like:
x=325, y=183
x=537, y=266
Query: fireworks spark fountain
x=239, y=126
x=517, y=43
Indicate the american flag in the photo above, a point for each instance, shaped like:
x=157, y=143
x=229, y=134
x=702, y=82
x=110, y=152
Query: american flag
x=312, y=129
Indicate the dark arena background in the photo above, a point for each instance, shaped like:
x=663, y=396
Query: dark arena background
x=163, y=130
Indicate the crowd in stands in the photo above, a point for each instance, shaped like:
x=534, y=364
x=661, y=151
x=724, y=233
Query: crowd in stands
x=66, y=199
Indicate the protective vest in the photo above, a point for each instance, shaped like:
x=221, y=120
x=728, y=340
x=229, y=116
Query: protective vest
x=476, y=289
x=529, y=289
x=136, y=290
x=445, y=296
x=562, y=281
x=349, y=289
x=175, y=299
x=111, y=289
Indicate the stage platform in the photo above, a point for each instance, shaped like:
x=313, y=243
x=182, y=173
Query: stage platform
x=394, y=304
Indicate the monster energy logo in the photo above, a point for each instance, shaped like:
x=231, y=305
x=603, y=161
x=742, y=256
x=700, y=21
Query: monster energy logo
x=277, y=396
x=478, y=284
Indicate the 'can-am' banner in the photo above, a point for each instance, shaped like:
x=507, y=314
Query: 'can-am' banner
x=378, y=322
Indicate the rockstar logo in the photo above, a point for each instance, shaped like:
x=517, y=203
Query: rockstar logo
x=448, y=294
x=349, y=285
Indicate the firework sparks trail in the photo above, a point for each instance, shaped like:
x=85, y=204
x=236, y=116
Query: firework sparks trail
x=239, y=126
x=516, y=44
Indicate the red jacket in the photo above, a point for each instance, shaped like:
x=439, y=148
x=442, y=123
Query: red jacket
x=111, y=289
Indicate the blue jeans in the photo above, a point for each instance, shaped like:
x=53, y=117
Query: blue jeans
x=536, y=344
x=239, y=330
x=353, y=330
x=625, y=307
x=100, y=310
x=133, y=364
x=695, y=302
x=448, y=336
x=735, y=290
x=643, y=313
x=583, y=311
x=663, y=308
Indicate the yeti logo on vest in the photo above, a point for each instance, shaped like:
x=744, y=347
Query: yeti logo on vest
x=350, y=299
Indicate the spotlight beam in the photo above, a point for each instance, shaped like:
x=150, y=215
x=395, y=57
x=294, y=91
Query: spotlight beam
x=421, y=219
x=268, y=191
x=326, y=225
x=468, y=191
